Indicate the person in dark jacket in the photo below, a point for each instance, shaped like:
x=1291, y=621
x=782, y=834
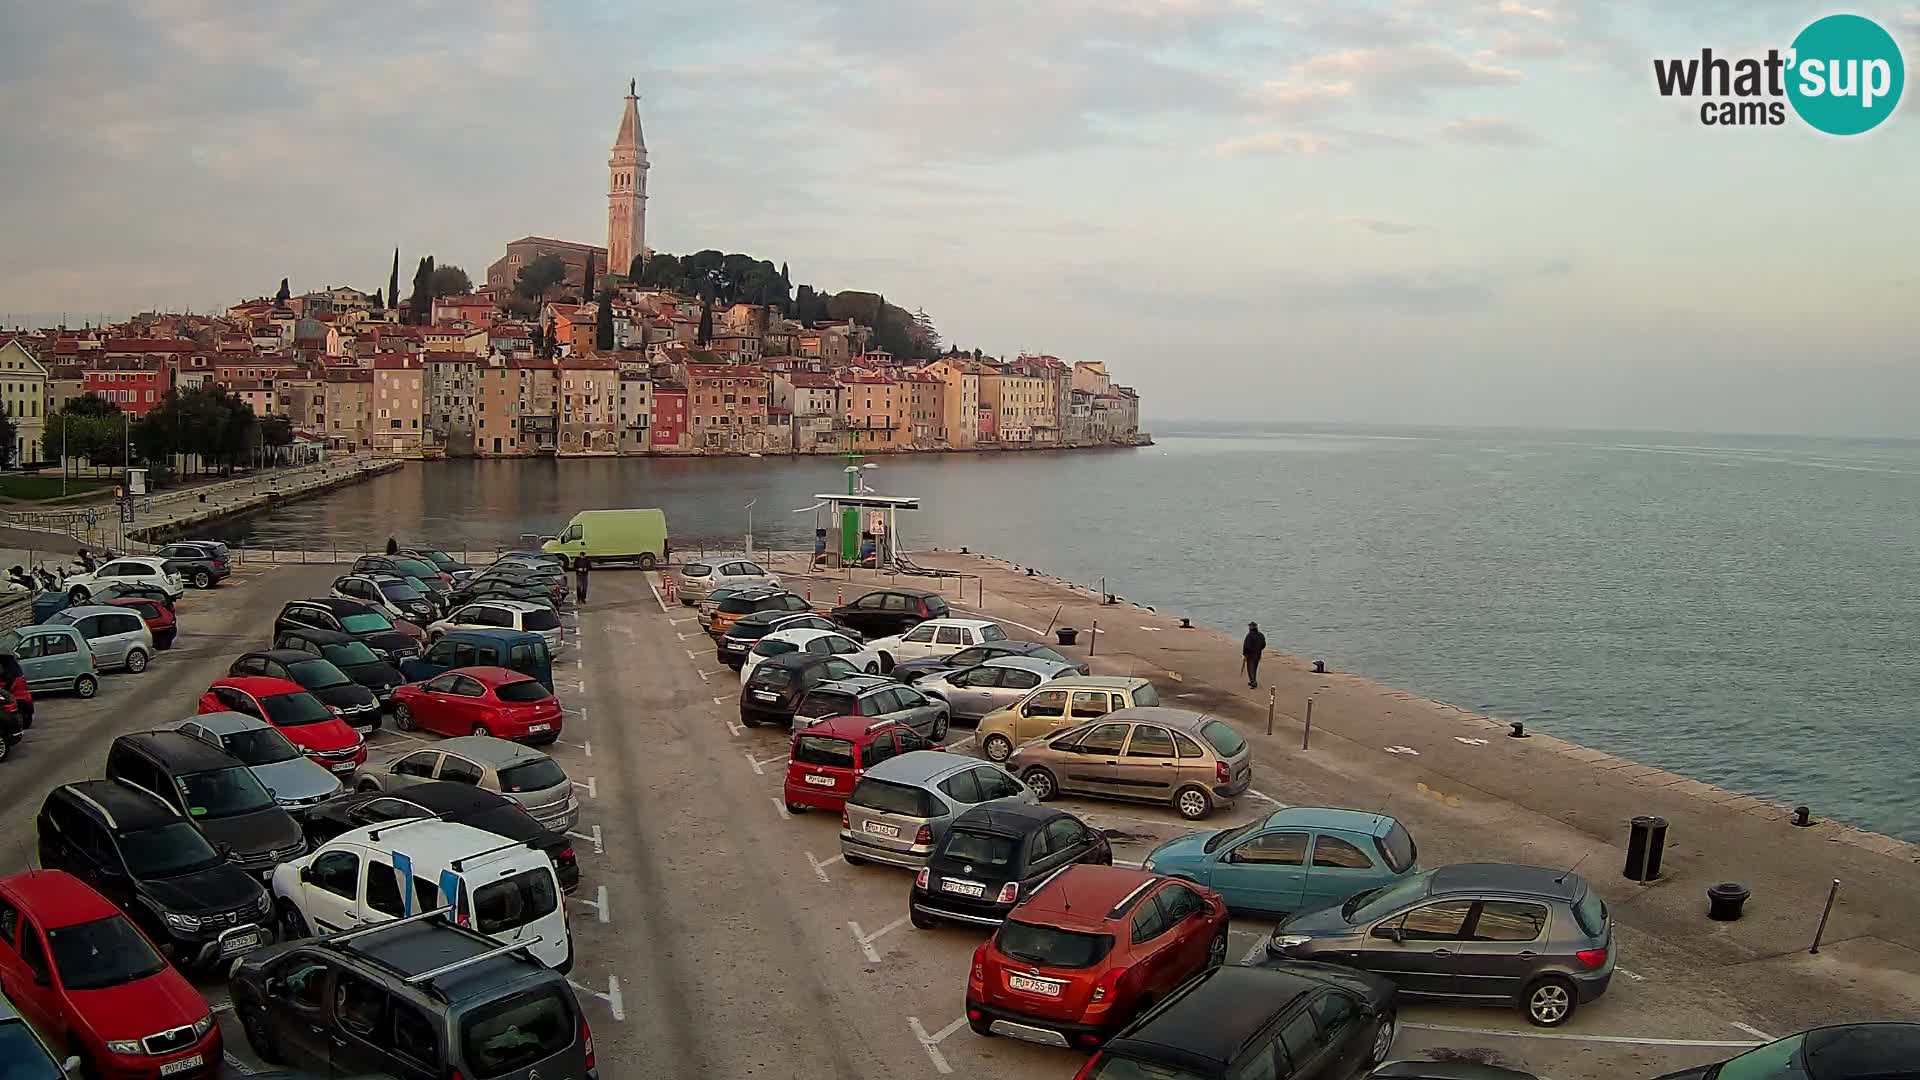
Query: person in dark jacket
x=1250, y=650
x=580, y=567
x=393, y=546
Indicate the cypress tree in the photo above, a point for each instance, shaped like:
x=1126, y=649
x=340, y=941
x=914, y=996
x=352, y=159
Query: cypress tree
x=586, y=290
x=706, y=319
x=284, y=292
x=603, y=324
x=393, y=282
x=637, y=269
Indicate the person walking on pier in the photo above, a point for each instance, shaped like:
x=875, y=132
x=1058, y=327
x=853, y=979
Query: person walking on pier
x=1250, y=650
x=580, y=567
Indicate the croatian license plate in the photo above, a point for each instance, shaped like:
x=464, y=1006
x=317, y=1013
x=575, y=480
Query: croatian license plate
x=819, y=781
x=765, y=695
x=1034, y=986
x=881, y=828
x=733, y=646
x=172, y=1067
x=964, y=888
x=239, y=943
x=539, y=727
x=342, y=766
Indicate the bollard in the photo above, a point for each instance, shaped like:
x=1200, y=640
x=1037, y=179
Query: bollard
x=1186, y=623
x=1725, y=900
x=1802, y=817
x=1306, y=734
x=1821, y=930
x=1093, y=637
x=1645, y=844
x=1319, y=667
x=1517, y=730
x=1269, y=712
x=839, y=595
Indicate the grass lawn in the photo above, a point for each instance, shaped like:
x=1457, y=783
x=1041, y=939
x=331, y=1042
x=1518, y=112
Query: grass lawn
x=30, y=486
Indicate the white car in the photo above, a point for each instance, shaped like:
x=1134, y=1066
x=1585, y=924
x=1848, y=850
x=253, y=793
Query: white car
x=388, y=595
x=523, y=615
x=129, y=570
x=697, y=579
x=823, y=642
x=935, y=637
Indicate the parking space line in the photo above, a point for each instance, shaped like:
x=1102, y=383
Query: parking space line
x=704, y=675
x=1635, y=976
x=594, y=839
x=963, y=742
x=866, y=940
x=677, y=622
x=689, y=652
x=1560, y=1037
x=656, y=597
x=407, y=738
x=593, y=791
x=780, y=805
x=757, y=763
x=611, y=997
x=1259, y=949
x=1267, y=797
x=1127, y=865
x=1749, y=1029
x=932, y=1042
x=720, y=700
x=734, y=729
x=598, y=905
x=820, y=868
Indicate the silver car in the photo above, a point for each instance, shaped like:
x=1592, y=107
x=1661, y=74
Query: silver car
x=697, y=579
x=901, y=808
x=118, y=636
x=521, y=773
x=294, y=780
x=997, y=684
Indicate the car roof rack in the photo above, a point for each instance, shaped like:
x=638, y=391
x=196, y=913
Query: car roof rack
x=389, y=826
x=350, y=935
x=1126, y=901
x=460, y=864
x=444, y=969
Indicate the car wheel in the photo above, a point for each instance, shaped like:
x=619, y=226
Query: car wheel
x=795, y=808
x=202, y=579
x=480, y=730
x=369, y=785
x=1217, y=949
x=137, y=661
x=403, y=718
x=1040, y=781
x=1191, y=802
x=998, y=747
x=291, y=924
x=873, y=668
x=886, y=661
x=86, y=686
x=1550, y=1001
x=1382, y=1041
x=747, y=719
x=940, y=727
x=6, y=748
x=921, y=921
x=260, y=1038
x=77, y=596
x=647, y=561
x=854, y=860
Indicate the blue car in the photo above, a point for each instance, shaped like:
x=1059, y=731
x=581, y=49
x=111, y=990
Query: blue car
x=516, y=650
x=1299, y=859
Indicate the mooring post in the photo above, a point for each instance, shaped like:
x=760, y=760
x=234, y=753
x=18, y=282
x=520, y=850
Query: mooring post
x=1093, y=637
x=1306, y=734
x=1821, y=930
x=1269, y=711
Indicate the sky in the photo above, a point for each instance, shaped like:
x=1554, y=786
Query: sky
x=1409, y=211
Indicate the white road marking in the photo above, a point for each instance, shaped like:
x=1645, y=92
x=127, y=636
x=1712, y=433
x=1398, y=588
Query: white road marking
x=599, y=906
x=690, y=654
x=1155, y=629
x=715, y=671
x=1009, y=622
x=1401, y=750
x=677, y=622
x=683, y=637
x=1625, y=1039
x=963, y=742
x=1463, y=740
x=408, y=738
x=1258, y=950
x=932, y=1042
x=778, y=804
x=720, y=701
x=594, y=839
x=758, y=763
x=611, y=997
x=866, y=940
x=734, y=729
x=656, y=597
x=591, y=785
x=1267, y=797
x=1749, y=1029
x=820, y=868
x=1126, y=864
x=1637, y=977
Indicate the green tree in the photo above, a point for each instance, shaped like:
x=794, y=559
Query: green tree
x=284, y=293
x=586, y=287
x=9, y=432
x=637, y=269
x=664, y=271
x=603, y=324
x=449, y=280
x=420, y=304
x=92, y=404
x=706, y=320
x=393, y=282
x=539, y=276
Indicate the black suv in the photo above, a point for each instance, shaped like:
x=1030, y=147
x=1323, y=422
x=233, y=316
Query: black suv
x=138, y=852
x=346, y=652
x=995, y=856
x=777, y=684
x=350, y=617
x=448, y=801
x=201, y=564
x=317, y=676
x=214, y=791
x=739, y=639
x=890, y=611
x=416, y=998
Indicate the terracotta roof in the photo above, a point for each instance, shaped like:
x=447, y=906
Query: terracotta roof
x=725, y=371
x=148, y=345
x=588, y=363
x=813, y=380
x=343, y=375
x=395, y=362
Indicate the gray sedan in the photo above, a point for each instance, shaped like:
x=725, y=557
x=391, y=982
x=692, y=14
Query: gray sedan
x=521, y=773
x=295, y=781
x=975, y=691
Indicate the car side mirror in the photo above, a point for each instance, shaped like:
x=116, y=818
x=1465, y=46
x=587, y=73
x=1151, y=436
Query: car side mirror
x=276, y=988
x=225, y=851
x=71, y=1066
x=306, y=874
x=1391, y=933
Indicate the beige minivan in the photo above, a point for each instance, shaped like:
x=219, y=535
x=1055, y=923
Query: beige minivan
x=1057, y=704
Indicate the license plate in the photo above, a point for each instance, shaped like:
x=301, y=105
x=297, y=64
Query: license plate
x=239, y=943
x=733, y=646
x=1034, y=986
x=880, y=828
x=539, y=727
x=172, y=1067
x=342, y=766
x=964, y=888
x=819, y=781
x=765, y=695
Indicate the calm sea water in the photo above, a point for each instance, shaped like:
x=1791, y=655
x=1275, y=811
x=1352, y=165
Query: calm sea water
x=1739, y=609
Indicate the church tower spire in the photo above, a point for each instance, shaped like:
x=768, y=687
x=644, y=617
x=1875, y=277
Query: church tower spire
x=627, y=188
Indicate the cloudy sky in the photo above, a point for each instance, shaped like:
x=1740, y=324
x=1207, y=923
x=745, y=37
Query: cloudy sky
x=1413, y=211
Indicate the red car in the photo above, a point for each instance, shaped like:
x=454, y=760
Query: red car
x=158, y=617
x=1088, y=950
x=829, y=757
x=480, y=701
x=316, y=728
x=83, y=974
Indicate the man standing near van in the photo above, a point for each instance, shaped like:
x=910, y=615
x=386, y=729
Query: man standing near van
x=1250, y=650
x=580, y=567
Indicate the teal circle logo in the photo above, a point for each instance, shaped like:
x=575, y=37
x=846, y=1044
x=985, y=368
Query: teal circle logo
x=1845, y=75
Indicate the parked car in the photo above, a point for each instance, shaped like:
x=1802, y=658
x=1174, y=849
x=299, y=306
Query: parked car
x=520, y=615
x=357, y=705
x=135, y=569
x=1091, y=946
x=139, y=853
x=13, y=679
x=296, y=781
x=1470, y=934
x=440, y=560
x=996, y=855
x=213, y=790
x=981, y=690
x=525, y=775
x=826, y=759
x=773, y=690
x=117, y=638
x=388, y=594
x=812, y=640
x=407, y=566
x=1303, y=1022
x=79, y=970
x=353, y=618
x=309, y=723
x=903, y=806
x=915, y=670
x=748, y=629
x=875, y=697
x=936, y=637
x=1872, y=1051
x=541, y=579
x=1194, y=762
x=161, y=624
x=516, y=650
x=638, y=536
x=1301, y=858
x=893, y=610
x=346, y=652
x=117, y=590
x=54, y=657
x=390, y=870
x=25, y=1049
x=447, y=801
x=1060, y=703
x=703, y=611
x=421, y=997
x=480, y=701
x=697, y=579
x=202, y=565
x=12, y=729
x=748, y=601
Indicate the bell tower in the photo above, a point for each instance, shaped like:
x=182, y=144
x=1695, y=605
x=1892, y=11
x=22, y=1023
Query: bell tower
x=627, y=189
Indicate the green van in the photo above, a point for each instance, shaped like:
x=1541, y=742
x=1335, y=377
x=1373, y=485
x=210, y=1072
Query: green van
x=613, y=536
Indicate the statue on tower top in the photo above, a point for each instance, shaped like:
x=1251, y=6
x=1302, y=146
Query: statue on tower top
x=631, y=83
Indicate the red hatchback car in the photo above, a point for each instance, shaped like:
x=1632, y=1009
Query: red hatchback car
x=829, y=757
x=158, y=617
x=480, y=701
x=96, y=987
x=1088, y=950
x=308, y=723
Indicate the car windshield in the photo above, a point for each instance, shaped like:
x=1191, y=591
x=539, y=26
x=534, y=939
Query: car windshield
x=259, y=746
x=1399, y=848
x=510, y=903
x=1226, y=741
x=318, y=674
x=1051, y=945
x=890, y=798
x=1379, y=903
x=536, y=621
x=352, y=654
x=419, y=568
x=771, y=677
x=366, y=623
x=979, y=848
x=828, y=703
x=1774, y=1061
x=533, y=776
x=167, y=851
x=1228, y=836
x=741, y=605
x=525, y=690
x=400, y=590
x=1592, y=913
x=102, y=953
x=773, y=647
x=293, y=710
x=1120, y=1068
x=219, y=793
x=26, y=1059
x=517, y=1032
x=750, y=628
x=1145, y=697
x=821, y=750
x=438, y=558
x=696, y=569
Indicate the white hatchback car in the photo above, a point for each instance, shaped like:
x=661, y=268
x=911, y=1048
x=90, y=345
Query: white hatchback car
x=524, y=615
x=697, y=579
x=935, y=637
x=129, y=570
x=821, y=642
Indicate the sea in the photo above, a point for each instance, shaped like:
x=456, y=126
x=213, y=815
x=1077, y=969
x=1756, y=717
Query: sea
x=1740, y=609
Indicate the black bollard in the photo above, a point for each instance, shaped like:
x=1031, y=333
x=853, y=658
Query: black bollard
x=1517, y=730
x=1319, y=667
x=1645, y=844
x=1802, y=817
x=1186, y=623
x=1725, y=900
